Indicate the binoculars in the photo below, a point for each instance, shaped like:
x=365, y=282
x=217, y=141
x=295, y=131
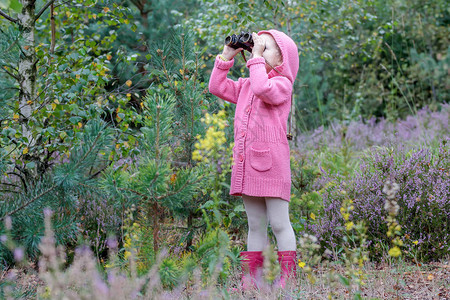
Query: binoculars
x=243, y=40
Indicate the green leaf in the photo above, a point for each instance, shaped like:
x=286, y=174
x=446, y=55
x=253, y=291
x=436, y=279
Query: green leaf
x=226, y=221
x=75, y=120
x=344, y=280
x=4, y=4
x=357, y=296
x=16, y=5
x=239, y=208
x=268, y=5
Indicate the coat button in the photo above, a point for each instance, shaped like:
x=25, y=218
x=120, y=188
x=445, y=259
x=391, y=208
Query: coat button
x=248, y=109
x=243, y=133
x=241, y=157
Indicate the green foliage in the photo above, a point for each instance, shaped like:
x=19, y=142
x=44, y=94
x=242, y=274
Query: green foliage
x=142, y=67
x=155, y=183
x=158, y=115
x=215, y=255
x=57, y=191
x=177, y=65
x=169, y=273
x=357, y=59
x=10, y=39
x=11, y=4
x=212, y=255
x=75, y=78
x=342, y=162
x=69, y=146
x=303, y=173
x=304, y=199
x=215, y=156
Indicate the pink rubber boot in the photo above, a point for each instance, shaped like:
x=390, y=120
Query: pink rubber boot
x=251, y=264
x=288, y=264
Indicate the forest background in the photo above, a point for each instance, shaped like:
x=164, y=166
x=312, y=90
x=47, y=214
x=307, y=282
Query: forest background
x=107, y=126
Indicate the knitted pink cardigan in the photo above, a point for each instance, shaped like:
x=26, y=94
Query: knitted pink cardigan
x=261, y=153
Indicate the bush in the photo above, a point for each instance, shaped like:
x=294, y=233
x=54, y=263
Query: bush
x=423, y=177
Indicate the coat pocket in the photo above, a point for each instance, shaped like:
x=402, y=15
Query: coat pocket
x=260, y=159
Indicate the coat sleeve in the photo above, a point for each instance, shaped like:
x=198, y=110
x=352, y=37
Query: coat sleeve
x=275, y=90
x=220, y=85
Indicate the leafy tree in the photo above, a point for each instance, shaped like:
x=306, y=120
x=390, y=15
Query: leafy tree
x=48, y=114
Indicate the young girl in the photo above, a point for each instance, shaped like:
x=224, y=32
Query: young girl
x=261, y=171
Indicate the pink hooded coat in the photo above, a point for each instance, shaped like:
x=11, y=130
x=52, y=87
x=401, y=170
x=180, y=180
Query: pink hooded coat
x=261, y=153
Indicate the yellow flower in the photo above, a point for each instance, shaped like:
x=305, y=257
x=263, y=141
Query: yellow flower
x=346, y=216
x=301, y=264
x=395, y=251
x=349, y=226
x=313, y=216
x=415, y=242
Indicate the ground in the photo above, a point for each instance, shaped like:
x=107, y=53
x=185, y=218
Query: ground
x=384, y=281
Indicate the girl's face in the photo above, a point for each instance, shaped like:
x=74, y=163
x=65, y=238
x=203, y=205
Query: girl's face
x=271, y=53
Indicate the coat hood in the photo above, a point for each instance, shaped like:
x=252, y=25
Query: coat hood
x=289, y=51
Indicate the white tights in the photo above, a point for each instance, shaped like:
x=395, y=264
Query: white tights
x=275, y=211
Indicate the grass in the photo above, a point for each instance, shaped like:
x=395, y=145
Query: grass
x=389, y=279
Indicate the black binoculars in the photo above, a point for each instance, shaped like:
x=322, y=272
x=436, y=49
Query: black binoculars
x=244, y=40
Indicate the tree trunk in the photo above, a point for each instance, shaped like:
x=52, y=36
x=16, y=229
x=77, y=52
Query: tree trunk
x=156, y=225
x=27, y=65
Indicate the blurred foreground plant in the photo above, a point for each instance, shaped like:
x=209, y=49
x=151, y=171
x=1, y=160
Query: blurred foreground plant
x=355, y=245
x=392, y=207
x=82, y=279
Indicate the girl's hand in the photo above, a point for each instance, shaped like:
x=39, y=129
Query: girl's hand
x=229, y=53
x=259, y=44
